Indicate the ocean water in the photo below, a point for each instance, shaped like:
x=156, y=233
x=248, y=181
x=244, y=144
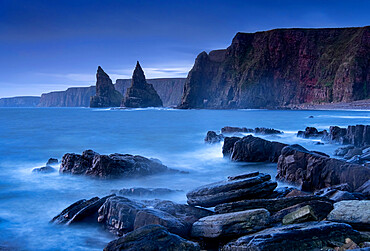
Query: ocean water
x=30, y=136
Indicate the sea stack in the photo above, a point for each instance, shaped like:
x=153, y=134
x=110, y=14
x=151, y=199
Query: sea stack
x=106, y=95
x=141, y=94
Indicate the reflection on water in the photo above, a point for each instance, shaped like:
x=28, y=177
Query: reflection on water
x=30, y=136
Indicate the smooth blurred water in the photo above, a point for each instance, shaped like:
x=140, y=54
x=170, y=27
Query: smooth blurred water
x=30, y=136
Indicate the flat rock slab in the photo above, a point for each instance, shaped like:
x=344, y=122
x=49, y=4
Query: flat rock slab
x=149, y=238
x=302, y=214
x=354, y=212
x=297, y=237
x=247, y=186
x=272, y=205
x=231, y=224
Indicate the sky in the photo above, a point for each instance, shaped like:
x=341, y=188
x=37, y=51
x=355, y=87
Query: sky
x=48, y=45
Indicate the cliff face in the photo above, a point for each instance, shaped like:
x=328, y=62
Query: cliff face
x=140, y=93
x=72, y=97
x=282, y=67
x=24, y=101
x=106, y=95
x=169, y=89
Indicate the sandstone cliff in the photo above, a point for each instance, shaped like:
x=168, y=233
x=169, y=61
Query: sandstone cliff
x=282, y=67
x=22, y=101
x=106, y=95
x=72, y=97
x=140, y=93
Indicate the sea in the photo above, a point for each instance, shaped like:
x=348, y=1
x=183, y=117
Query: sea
x=30, y=136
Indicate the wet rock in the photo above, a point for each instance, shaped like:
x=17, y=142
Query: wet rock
x=354, y=212
x=110, y=166
x=338, y=193
x=141, y=94
x=212, y=137
x=144, y=192
x=231, y=224
x=255, y=185
x=231, y=129
x=44, y=169
x=151, y=237
x=341, y=151
x=321, y=209
x=296, y=192
x=358, y=135
x=302, y=214
x=365, y=189
x=313, y=171
x=254, y=149
x=118, y=214
x=352, y=152
x=272, y=205
x=311, y=132
x=156, y=217
x=266, y=131
x=349, y=244
x=52, y=161
x=298, y=237
x=228, y=146
x=280, y=192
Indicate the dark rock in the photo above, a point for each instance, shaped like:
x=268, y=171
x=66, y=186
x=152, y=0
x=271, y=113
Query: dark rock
x=149, y=238
x=44, y=169
x=358, y=135
x=302, y=214
x=106, y=95
x=272, y=205
x=254, y=186
x=365, y=189
x=141, y=94
x=212, y=137
x=118, y=214
x=298, y=237
x=311, y=132
x=311, y=117
x=228, y=146
x=52, y=161
x=341, y=151
x=353, y=212
x=231, y=224
x=257, y=130
x=145, y=192
x=352, y=152
x=313, y=171
x=296, y=192
x=338, y=193
x=280, y=192
x=110, y=166
x=266, y=131
x=254, y=149
x=231, y=129
x=320, y=208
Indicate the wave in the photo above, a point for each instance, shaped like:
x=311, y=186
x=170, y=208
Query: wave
x=344, y=117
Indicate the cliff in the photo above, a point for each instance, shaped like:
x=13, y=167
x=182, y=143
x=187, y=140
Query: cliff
x=282, y=68
x=106, y=95
x=72, y=97
x=23, y=101
x=140, y=93
x=169, y=89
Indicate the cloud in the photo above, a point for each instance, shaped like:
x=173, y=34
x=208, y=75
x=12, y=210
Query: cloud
x=70, y=77
x=154, y=72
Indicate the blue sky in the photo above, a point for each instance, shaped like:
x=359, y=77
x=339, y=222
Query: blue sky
x=51, y=45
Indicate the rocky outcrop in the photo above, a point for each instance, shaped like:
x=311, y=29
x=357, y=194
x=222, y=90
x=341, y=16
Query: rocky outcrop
x=212, y=137
x=358, y=135
x=282, y=68
x=257, y=130
x=44, y=169
x=106, y=95
x=298, y=237
x=72, y=97
x=26, y=101
x=141, y=94
x=151, y=237
x=253, y=149
x=314, y=171
x=353, y=212
x=144, y=192
x=240, y=187
x=311, y=132
x=114, y=165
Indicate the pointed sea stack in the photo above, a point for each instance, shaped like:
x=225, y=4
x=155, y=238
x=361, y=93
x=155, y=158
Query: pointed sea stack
x=106, y=95
x=141, y=94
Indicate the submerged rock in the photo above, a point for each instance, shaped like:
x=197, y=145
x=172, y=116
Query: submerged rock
x=141, y=94
x=311, y=132
x=44, y=169
x=257, y=130
x=231, y=224
x=52, y=161
x=144, y=192
x=212, y=137
x=254, y=185
x=231, y=129
x=106, y=95
x=298, y=237
x=149, y=238
x=110, y=166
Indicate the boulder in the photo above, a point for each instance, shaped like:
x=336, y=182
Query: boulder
x=231, y=129
x=302, y=214
x=52, y=161
x=227, y=148
x=149, y=238
x=231, y=224
x=365, y=189
x=110, y=166
x=106, y=95
x=280, y=192
x=272, y=205
x=338, y=193
x=254, y=185
x=297, y=237
x=254, y=149
x=313, y=171
x=354, y=212
x=311, y=132
x=141, y=94
x=266, y=131
x=44, y=169
x=212, y=137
